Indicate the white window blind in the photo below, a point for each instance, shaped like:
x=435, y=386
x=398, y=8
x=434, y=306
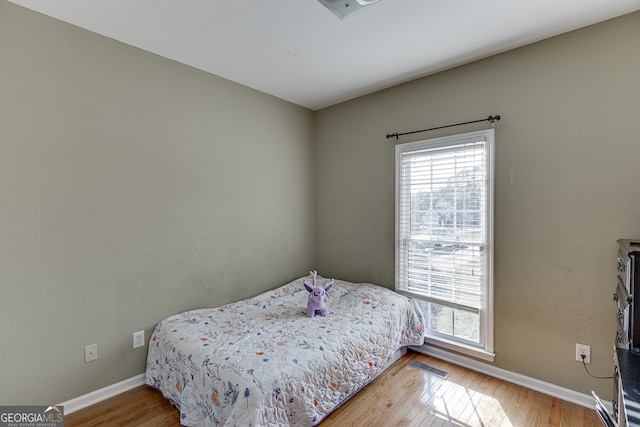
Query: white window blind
x=444, y=223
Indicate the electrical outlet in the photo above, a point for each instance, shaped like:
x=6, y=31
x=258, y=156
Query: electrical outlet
x=583, y=350
x=138, y=339
x=90, y=353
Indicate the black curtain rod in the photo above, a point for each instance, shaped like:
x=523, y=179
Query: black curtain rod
x=491, y=119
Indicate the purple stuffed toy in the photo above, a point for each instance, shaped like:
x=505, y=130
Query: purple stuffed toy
x=317, y=294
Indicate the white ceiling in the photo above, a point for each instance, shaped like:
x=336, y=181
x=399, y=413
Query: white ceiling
x=299, y=51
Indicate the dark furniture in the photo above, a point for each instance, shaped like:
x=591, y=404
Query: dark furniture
x=626, y=383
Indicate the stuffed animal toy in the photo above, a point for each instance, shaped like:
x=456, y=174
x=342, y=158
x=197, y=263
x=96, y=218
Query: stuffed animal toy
x=317, y=294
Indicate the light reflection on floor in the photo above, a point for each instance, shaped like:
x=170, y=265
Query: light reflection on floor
x=476, y=400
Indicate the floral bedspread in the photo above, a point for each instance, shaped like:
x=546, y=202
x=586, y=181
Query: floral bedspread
x=263, y=362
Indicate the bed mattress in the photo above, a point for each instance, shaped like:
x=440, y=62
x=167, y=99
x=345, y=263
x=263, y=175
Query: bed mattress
x=263, y=362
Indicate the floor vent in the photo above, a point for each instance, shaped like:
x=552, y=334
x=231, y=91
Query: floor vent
x=432, y=370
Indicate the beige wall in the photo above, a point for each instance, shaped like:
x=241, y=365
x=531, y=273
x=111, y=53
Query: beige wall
x=569, y=134
x=119, y=204
x=132, y=187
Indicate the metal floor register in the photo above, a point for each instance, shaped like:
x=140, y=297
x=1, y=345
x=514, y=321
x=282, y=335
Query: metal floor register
x=431, y=369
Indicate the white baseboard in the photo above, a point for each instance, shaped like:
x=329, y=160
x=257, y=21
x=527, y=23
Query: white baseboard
x=93, y=397
x=512, y=377
x=563, y=393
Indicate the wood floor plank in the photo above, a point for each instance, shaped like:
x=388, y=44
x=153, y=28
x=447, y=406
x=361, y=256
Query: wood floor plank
x=412, y=388
x=430, y=385
x=403, y=396
x=500, y=397
x=429, y=413
x=142, y=406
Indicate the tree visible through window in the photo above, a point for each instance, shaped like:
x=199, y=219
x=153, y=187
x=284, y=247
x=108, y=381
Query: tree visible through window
x=444, y=222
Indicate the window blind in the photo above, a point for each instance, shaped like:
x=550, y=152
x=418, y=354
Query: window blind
x=441, y=217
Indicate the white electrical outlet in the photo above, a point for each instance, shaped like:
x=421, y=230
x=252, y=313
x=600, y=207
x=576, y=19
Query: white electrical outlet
x=583, y=350
x=138, y=339
x=90, y=353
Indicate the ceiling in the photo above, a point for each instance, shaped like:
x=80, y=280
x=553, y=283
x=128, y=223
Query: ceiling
x=299, y=51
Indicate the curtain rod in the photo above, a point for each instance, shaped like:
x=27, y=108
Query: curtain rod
x=491, y=119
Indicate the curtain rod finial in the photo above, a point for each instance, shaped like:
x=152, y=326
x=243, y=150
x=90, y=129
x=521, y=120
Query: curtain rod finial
x=392, y=135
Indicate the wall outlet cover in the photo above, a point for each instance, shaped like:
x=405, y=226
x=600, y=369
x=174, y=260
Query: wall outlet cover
x=90, y=353
x=582, y=349
x=138, y=339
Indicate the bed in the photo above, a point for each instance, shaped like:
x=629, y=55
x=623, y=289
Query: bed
x=263, y=362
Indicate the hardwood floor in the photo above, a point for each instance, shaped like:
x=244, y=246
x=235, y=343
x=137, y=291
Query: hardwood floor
x=401, y=396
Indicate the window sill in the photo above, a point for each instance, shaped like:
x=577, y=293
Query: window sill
x=468, y=350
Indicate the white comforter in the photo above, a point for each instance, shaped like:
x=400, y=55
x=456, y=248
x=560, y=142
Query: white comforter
x=263, y=362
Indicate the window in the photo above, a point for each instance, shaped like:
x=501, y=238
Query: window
x=444, y=237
